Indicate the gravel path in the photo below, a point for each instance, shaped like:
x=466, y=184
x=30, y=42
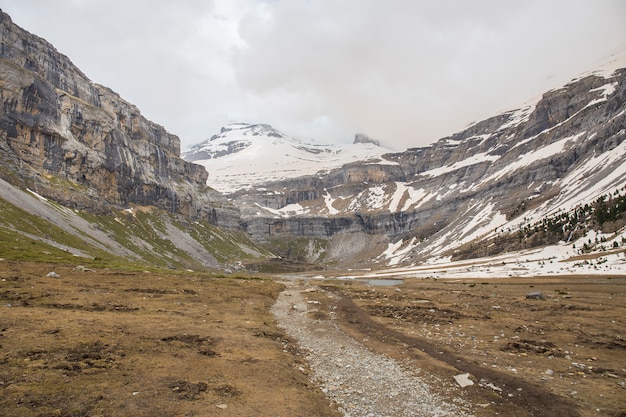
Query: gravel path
x=363, y=383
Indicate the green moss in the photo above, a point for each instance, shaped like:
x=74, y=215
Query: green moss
x=142, y=233
x=60, y=183
x=226, y=246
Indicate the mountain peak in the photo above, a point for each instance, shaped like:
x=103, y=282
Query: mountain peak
x=245, y=154
x=363, y=138
x=247, y=129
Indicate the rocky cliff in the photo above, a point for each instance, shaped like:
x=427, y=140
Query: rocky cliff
x=80, y=143
x=561, y=151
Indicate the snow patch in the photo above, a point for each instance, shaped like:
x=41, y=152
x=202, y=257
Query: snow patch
x=396, y=252
x=551, y=260
x=473, y=160
x=531, y=157
x=287, y=211
x=329, y=200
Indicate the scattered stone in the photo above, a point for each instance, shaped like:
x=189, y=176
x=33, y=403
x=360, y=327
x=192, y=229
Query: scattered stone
x=222, y=406
x=187, y=390
x=463, y=380
x=81, y=268
x=549, y=372
x=489, y=385
x=535, y=295
x=53, y=275
x=366, y=383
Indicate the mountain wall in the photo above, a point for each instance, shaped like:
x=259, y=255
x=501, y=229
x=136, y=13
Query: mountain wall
x=82, y=144
x=561, y=151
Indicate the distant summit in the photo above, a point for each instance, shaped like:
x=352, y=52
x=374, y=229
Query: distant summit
x=246, y=155
x=363, y=138
x=253, y=129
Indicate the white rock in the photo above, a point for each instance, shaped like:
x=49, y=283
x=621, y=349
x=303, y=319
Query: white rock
x=463, y=380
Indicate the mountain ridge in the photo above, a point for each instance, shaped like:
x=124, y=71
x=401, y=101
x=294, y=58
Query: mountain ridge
x=80, y=146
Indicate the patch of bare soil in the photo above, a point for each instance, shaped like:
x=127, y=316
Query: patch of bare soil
x=562, y=354
x=113, y=343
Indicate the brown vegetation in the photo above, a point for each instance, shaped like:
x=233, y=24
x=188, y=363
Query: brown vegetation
x=561, y=354
x=113, y=343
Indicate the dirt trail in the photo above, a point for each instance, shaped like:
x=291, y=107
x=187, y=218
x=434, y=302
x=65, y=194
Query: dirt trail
x=363, y=383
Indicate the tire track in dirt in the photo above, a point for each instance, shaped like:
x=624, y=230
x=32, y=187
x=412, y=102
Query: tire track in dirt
x=533, y=399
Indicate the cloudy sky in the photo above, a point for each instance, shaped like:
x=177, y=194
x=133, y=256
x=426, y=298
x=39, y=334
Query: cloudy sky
x=406, y=72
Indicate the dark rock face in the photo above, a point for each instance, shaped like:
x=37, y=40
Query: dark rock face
x=58, y=125
x=363, y=138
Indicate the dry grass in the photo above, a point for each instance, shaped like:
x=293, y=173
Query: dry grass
x=567, y=349
x=114, y=343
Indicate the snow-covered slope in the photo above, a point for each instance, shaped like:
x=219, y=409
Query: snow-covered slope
x=467, y=195
x=245, y=156
x=561, y=167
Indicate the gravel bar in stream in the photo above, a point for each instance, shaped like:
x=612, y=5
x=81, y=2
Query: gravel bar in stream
x=363, y=383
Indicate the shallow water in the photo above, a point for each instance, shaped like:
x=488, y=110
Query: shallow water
x=371, y=282
x=383, y=282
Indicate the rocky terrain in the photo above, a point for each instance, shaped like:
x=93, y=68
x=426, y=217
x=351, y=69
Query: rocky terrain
x=489, y=347
x=464, y=196
x=484, y=272
x=498, y=176
x=362, y=382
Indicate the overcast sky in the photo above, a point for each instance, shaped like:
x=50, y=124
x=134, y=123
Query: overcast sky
x=406, y=72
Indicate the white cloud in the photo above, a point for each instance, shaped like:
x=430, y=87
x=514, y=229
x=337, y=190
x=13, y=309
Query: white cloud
x=404, y=71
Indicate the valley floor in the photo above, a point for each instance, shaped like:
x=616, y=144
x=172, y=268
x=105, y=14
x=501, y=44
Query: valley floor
x=543, y=346
x=131, y=343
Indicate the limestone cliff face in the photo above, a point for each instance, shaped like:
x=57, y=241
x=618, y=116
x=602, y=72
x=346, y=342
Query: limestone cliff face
x=79, y=142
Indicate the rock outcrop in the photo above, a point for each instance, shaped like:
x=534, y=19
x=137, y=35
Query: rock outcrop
x=363, y=138
x=82, y=144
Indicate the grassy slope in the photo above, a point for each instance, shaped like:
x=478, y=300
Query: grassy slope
x=151, y=239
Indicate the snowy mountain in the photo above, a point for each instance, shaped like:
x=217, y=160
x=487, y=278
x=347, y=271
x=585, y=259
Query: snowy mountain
x=473, y=194
x=539, y=189
x=244, y=155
